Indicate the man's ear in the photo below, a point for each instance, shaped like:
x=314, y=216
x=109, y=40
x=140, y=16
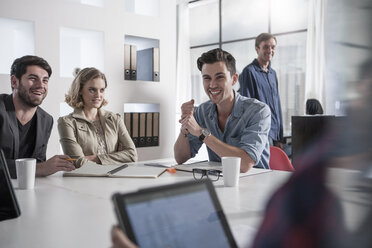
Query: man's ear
x=257, y=48
x=14, y=82
x=235, y=78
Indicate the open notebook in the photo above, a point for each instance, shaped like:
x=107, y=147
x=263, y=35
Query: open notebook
x=91, y=169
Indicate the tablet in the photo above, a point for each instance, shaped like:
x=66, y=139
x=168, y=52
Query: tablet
x=9, y=207
x=186, y=214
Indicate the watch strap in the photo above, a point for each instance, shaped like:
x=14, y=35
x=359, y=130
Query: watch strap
x=205, y=133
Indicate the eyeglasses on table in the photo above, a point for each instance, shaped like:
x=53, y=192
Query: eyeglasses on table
x=213, y=175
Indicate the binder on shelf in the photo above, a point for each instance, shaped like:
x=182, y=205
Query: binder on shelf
x=156, y=63
x=148, y=64
x=133, y=62
x=135, y=128
x=142, y=130
x=127, y=120
x=127, y=69
x=155, y=130
x=142, y=121
x=149, y=128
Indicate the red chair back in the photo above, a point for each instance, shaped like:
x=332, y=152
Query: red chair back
x=279, y=160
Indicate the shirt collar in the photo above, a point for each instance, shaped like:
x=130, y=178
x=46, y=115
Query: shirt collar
x=238, y=107
x=79, y=114
x=237, y=110
x=258, y=67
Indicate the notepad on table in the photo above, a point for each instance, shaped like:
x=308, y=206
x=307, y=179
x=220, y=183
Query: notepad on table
x=161, y=164
x=91, y=169
x=210, y=165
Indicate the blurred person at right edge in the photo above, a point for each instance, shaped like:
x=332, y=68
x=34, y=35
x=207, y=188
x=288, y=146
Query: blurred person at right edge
x=311, y=209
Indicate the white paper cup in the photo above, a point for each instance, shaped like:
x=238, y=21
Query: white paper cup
x=230, y=171
x=26, y=168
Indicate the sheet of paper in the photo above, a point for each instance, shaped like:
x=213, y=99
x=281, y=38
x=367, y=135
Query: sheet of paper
x=92, y=169
x=206, y=165
x=138, y=171
x=161, y=164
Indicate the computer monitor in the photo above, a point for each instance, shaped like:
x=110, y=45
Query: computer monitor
x=9, y=207
x=308, y=129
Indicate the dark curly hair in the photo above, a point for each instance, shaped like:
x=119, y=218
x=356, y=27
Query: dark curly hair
x=217, y=55
x=19, y=66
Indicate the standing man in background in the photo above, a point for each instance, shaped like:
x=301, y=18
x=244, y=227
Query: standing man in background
x=258, y=80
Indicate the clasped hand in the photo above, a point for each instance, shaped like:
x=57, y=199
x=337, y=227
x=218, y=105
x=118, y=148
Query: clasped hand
x=188, y=122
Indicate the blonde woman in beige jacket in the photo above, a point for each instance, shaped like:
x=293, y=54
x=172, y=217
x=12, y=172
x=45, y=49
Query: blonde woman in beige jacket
x=91, y=133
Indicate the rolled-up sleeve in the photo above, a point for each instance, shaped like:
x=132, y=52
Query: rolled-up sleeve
x=195, y=145
x=194, y=141
x=254, y=137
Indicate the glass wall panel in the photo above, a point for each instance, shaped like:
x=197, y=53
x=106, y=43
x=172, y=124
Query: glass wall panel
x=196, y=79
x=347, y=37
x=142, y=7
x=242, y=18
x=243, y=52
x=13, y=34
x=204, y=23
x=288, y=15
x=289, y=62
x=97, y=3
x=80, y=48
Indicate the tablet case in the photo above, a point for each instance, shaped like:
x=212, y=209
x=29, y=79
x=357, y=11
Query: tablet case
x=123, y=207
x=9, y=207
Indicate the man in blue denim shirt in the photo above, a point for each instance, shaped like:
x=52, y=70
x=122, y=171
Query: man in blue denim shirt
x=229, y=124
x=258, y=80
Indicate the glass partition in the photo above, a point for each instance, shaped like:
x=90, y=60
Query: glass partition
x=242, y=19
x=203, y=18
x=289, y=63
x=14, y=33
x=288, y=15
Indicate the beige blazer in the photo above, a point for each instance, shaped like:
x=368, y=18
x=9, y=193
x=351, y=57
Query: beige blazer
x=78, y=138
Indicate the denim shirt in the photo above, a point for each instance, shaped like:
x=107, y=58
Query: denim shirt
x=256, y=83
x=247, y=127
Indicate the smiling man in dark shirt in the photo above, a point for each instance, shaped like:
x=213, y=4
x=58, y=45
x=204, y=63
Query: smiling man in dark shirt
x=258, y=80
x=25, y=128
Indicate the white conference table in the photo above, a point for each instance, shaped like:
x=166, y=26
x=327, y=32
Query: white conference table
x=78, y=211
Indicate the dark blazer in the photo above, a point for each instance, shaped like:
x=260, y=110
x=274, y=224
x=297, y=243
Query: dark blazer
x=9, y=136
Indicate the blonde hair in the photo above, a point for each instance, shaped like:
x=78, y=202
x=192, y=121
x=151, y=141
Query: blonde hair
x=73, y=97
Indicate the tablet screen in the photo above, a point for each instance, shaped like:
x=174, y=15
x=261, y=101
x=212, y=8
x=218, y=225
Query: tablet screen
x=186, y=216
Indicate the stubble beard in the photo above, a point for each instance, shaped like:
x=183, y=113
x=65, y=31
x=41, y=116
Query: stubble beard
x=25, y=97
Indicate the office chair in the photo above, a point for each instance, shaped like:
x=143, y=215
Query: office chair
x=279, y=160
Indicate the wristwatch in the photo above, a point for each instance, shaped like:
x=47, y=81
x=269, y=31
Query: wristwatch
x=205, y=133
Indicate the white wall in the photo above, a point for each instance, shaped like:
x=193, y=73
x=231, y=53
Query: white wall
x=49, y=15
